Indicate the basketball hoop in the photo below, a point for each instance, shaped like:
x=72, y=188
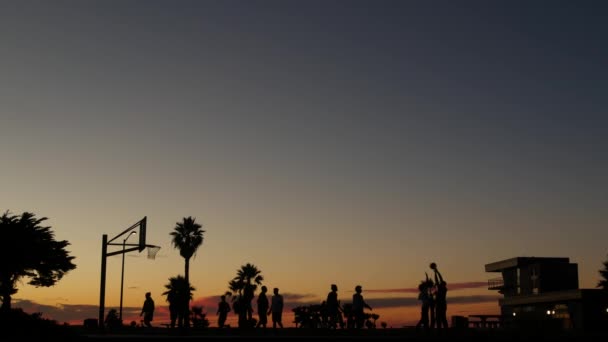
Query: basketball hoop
x=152, y=250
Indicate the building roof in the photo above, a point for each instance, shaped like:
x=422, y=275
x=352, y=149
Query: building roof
x=556, y=296
x=523, y=261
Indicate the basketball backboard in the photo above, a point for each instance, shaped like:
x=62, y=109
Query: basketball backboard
x=142, y=234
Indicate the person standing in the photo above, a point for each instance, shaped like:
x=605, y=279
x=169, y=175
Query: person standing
x=148, y=310
x=359, y=305
x=276, y=308
x=172, y=298
x=223, y=308
x=423, y=297
x=332, y=305
x=262, y=308
x=441, y=305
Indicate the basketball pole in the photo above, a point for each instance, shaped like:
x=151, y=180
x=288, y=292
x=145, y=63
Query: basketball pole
x=104, y=254
x=102, y=288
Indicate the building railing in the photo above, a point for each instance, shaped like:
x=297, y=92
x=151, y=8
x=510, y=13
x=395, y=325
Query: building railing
x=496, y=284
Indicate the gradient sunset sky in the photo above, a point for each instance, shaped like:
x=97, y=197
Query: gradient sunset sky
x=347, y=142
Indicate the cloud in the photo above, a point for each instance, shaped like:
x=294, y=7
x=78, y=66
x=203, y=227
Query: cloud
x=70, y=313
x=451, y=287
x=76, y=313
x=411, y=301
x=297, y=297
x=390, y=302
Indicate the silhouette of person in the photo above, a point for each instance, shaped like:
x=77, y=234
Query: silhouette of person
x=432, y=309
x=263, y=308
x=248, y=295
x=173, y=308
x=276, y=308
x=441, y=305
x=237, y=306
x=148, y=310
x=423, y=297
x=332, y=307
x=223, y=308
x=323, y=314
x=112, y=321
x=358, y=306
x=183, y=310
x=431, y=290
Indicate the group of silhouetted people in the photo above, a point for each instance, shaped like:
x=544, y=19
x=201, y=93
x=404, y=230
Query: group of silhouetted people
x=274, y=307
x=432, y=295
x=333, y=311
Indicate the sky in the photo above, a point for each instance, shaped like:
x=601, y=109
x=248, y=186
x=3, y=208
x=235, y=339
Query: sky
x=346, y=142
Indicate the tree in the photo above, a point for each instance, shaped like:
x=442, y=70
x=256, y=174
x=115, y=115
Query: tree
x=603, y=283
x=187, y=237
x=246, y=282
x=29, y=250
x=177, y=296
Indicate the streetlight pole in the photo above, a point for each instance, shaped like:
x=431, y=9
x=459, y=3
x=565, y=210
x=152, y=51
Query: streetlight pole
x=122, y=273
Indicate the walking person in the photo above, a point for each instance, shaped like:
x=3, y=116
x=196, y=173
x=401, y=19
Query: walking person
x=148, y=310
x=262, y=308
x=276, y=309
x=332, y=306
x=358, y=306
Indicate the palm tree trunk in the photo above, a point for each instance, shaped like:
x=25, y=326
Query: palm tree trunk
x=187, y=298
x=5, y=291
x=6, y=303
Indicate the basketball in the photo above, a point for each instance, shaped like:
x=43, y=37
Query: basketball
x=433, y=265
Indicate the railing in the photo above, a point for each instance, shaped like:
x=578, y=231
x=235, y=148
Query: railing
x=496, y=284
x=485, y=321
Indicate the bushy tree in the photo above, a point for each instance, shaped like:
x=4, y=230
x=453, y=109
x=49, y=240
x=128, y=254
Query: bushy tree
x=603, y=283
x=29, y=250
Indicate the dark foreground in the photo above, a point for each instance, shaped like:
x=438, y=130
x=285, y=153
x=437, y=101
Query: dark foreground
x=294, y=334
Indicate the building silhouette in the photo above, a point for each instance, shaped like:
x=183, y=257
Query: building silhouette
x=541, y=292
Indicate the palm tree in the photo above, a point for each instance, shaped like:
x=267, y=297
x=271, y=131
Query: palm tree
x=246, y=282
x=30, y=250
x=178, y=297
x=603, y=283
x=187, y=236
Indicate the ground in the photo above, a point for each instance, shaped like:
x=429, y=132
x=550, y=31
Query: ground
x=317, y=335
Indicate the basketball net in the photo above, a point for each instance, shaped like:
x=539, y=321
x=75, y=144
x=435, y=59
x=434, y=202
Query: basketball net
x=152, y=250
